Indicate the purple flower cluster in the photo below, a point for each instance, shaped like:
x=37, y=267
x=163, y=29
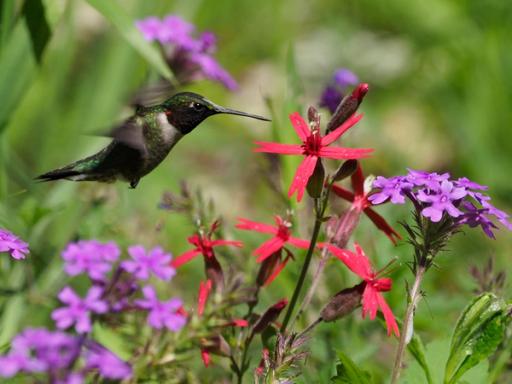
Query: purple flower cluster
x=91, y=257
x=162, y=313
x=78, y=310
x=437, y=195
x=9, y=242
x=37, y=350
x=336, y=89
x=155, y=262
x=184, y=51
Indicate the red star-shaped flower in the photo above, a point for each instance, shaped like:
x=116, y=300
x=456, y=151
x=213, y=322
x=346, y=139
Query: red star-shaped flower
x=372, y=298
x=203, y=246
x=313, y=146
x=359, y=199
x=282, y=236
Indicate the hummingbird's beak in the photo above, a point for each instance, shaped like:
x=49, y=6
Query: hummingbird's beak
x=229, y=111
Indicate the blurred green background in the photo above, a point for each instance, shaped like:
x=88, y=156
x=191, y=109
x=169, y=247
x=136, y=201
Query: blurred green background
x=440, y=100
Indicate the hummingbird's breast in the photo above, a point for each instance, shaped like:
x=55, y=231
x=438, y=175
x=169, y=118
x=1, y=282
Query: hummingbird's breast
x=161, y=136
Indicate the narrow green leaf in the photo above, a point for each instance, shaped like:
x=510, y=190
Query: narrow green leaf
x=477, y=334
x=347, y=372
x=417, y=350
x=11, y=318
x=7, y=19
x=38, y=26
x=112, y=340
x=113, y=12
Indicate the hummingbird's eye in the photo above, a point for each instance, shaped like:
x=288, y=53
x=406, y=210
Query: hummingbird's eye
x=197, y=106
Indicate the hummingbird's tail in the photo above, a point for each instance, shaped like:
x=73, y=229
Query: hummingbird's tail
x=77, y=171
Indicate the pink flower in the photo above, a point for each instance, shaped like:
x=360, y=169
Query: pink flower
x=313, y=147
x=372, y=298
x=359, y=199
x=203, y=246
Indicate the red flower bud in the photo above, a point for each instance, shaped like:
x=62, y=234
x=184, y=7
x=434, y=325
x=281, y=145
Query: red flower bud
x=269, y=316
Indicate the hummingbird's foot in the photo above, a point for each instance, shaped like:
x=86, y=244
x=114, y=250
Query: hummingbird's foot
x=134, y=183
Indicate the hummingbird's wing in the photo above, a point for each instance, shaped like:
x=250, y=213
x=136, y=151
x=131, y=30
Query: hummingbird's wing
x=131, y=133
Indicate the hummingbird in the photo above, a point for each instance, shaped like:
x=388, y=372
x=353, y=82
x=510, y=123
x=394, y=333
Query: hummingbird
x=143, y=141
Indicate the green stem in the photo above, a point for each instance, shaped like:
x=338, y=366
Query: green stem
x=303, y=272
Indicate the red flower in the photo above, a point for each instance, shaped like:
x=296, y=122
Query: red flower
x=205, y=356
x=282, y=236
x=359, y=200
x=204, y=291
x=313, y=147
x=372, y=298
x=203, y=245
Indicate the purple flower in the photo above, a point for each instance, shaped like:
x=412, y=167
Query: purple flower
x=149, y=27
x=72, y=378
x=162, y=313
x=144, y=263
x=344, y=77
x=429, y=180
x=441, y=200
x=12, y=244
x=435, y=194
x=335, y=90
x=107, y=363
x=78, y=310
x=38, y=350
x=194, y=56
x=91, y=257
x=392, y=188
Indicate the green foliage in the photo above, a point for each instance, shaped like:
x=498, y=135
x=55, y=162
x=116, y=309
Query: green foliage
x=347, y=372
x=477, y=334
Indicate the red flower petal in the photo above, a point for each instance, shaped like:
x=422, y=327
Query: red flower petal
x=255, y=226
x=268, y=248
x=205, y=356
x=357, y=180
x=302, y=175
x=204, y=291
x=370, y=301
x=388, y=316
x=299, y=243
x=363, y=261
x=300, y=126
x=285, y=149
x=382, y=224
x=347, y=124
x=343, y=193
x=239, y=323
x=185, y=258
x=277, y=271
x=354, y=262
x=341, y=153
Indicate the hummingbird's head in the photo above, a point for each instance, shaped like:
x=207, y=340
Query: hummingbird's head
x=186, y=110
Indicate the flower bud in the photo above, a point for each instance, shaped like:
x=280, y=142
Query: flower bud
x=269, y=316
x=316, y=181
x=214, y=272
x=345, y=170
x=216, y=345
x=343, y=303
x=347, y=107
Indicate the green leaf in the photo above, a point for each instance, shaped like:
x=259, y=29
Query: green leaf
x=113, y=12
x=477, y=334
x=38, y=26
x=417, y=350
x=7, y=19
x=12, y=316
x=348, y=372
x=112, y=340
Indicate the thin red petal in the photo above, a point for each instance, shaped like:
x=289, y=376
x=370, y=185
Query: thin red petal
x=234, y=243
x=382, y=224
x=343, y=193
x=350, y=259
x=299, y=243
x=268, y=248
x=370, y=302
x=363, y=261
x=285, y=149
x=204, y=291
x=239, y=323
x=205, y=356
x=357, y=180
x=255, y=226
x=300, y=126
x=302, y=175
x=388, y=316
x=347, y=124
x=341, y=153
x=276, y=271
x=185, y=258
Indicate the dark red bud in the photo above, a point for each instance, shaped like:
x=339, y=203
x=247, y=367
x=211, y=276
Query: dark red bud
x=214, y=272
x=347, y=107
x=343, y=303
x=360, y=91
x=269, y=316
